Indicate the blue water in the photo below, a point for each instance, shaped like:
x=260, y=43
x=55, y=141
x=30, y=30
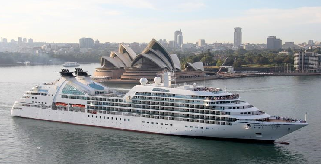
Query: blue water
x=31, y=141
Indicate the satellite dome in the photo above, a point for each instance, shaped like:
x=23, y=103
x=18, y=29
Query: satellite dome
x=143, y=81
x=157, y=80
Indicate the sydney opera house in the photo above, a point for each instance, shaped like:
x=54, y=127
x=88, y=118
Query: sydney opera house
x=128, y=66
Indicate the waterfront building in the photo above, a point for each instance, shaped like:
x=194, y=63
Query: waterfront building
x=237, y=37
x=274, y=43
x=306, y=61
x=126, y=65
x=86, y=43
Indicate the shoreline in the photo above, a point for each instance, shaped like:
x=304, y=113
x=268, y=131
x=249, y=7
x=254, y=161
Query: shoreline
x=222, y=76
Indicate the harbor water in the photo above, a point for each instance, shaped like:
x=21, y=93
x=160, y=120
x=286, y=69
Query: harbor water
x=33, y=141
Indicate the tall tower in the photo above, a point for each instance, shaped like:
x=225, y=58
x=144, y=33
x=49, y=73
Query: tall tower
x=237, y=37
x=178, y=36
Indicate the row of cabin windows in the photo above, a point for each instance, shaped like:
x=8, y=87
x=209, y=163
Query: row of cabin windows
x=196, y=127
x=245, y=112
x=242, y=107
x=112, y=118
x=90, y=98
x=156, y=123
x=38, y=102
x=42, y=94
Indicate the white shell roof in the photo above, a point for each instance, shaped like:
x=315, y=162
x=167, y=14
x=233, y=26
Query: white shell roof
x=116, y=62
x=151, y=57
x=130, y=51
x=177, y=63
x=124, y=58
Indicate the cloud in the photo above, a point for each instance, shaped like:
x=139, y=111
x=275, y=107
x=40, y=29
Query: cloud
x=111, y=20
x=190, y=6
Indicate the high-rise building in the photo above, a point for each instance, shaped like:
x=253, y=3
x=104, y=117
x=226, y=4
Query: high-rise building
x=86, y=43
x=201, y=43
x=30, y=41
x=237, y=37
x=24, y=40
x=178, y=36
x=19, y=40
x=4, y=40
x=274, y=43
x=310, y=42
x=179, y=41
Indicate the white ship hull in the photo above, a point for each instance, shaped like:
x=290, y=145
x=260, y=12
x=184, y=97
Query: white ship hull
x=264, y=131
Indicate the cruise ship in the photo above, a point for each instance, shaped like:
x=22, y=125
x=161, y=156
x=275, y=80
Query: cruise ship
x=158, y=107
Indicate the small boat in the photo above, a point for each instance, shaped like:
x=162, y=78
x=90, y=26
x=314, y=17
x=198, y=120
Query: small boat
x=70, y=64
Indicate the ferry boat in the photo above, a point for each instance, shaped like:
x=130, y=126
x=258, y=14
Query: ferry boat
x=70, y=64
x=158, y=107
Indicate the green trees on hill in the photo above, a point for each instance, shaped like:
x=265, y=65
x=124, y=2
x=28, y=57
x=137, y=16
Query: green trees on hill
x=239, y=58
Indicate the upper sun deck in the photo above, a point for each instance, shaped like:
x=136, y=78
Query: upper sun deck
x=182, y=92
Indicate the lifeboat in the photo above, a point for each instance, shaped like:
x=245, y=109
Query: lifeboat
x=78, y=105
x=60, y=104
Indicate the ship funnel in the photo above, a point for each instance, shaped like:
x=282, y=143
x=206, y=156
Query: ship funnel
x=167, y=79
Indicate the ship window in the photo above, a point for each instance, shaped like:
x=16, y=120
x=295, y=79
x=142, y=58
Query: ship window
x=147, y=122
x=191, y=126
x=96, y=116
x=120, y=119
x=143, y=121
x=100, y=116
x=171, y=124
x=152, y=122
x=128, y=119
x=201, y=127
x=161, y=123
x=92, y=115
x=116, y=118
x=104, y=117
x=112, y=118
x=88, y=115
x=107, y=117
x=186, y=126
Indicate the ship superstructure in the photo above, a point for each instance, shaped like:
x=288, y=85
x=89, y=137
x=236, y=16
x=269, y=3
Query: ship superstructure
x=160, y=107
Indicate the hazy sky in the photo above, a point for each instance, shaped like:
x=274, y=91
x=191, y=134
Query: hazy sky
x=142, y=20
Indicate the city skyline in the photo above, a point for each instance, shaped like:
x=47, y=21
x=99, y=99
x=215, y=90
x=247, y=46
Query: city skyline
x=141, y=20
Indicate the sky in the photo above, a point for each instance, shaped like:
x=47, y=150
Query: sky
x=65, y=21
